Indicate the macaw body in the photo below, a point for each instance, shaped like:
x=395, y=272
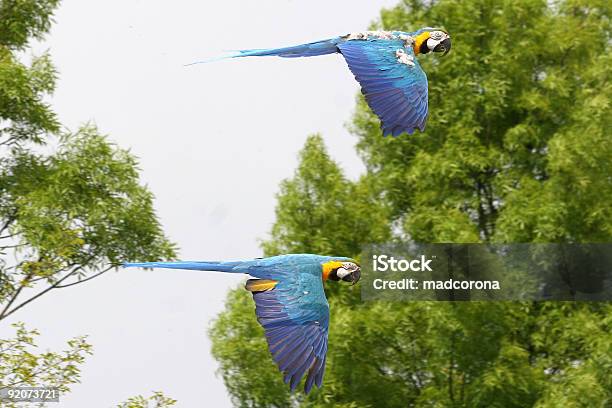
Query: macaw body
x=290, y=304
x=384, y=64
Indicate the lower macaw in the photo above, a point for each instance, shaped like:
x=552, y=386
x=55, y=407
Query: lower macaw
x=290, y=304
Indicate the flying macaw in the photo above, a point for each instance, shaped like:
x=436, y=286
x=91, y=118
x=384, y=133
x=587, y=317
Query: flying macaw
x=290, y=304
x=384, y=64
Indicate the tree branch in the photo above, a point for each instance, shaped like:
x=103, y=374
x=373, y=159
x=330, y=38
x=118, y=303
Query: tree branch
x=9, y=141
x=12, y=246
x=15, y=296
x=7, y=223
x=86, y=279
x=6, y=313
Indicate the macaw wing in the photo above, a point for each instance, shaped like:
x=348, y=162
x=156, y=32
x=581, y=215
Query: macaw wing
x=296, y=326
x=394, y=85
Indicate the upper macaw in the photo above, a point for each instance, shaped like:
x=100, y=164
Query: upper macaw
x=384, y=64
x=290, y=305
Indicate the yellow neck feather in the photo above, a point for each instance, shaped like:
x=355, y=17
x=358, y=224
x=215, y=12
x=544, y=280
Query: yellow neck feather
x=328, y=267
x=419, y=40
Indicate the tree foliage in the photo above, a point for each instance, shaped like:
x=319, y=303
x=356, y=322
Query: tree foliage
x=319, y=197
x=517, y=141
x=157, y=400
x=72, y=215
x=22, y=366
x=71, y=204
x=517, y=149
x=24, y=20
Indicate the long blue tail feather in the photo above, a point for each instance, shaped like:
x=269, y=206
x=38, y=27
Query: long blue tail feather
x=191, y=265
x=232, y=54
x=312, y=49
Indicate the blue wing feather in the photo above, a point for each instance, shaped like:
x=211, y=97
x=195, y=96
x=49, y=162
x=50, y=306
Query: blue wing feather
x=295, y=318
x=297, y=342
x=396, y=92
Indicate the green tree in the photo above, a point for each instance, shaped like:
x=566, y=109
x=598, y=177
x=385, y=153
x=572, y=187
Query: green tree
x=21, y=365
x=517, y=149
x=71, y=205
x=517, y=142
x=157, y=400
x=321, y=198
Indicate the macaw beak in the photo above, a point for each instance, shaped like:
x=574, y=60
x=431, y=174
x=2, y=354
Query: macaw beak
x=444, y=46
x=353, y=277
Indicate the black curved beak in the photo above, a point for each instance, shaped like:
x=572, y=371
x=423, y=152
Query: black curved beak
x=444, y=46
x=353, y=277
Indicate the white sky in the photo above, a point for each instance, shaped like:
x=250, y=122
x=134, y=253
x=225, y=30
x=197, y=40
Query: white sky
x=214, y=141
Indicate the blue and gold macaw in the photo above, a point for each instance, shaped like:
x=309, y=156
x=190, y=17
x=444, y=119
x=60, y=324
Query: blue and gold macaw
x=290, y=305
x=384, y=64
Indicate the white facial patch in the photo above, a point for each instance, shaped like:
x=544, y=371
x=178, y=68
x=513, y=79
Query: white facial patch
x=341, y=272
x=431, y=43
x=437, y=35
x=404, y=58
x=435, y=38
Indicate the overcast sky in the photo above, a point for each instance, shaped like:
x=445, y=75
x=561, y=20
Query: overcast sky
x=214, y=141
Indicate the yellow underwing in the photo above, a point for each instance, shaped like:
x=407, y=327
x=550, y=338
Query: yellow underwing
x=260, y=285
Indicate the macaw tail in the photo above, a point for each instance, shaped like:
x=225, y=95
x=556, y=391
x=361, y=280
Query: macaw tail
x=192, y=265
x=312, y=49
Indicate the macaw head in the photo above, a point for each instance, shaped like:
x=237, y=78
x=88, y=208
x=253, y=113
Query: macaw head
x=347, y=271
x=432, y=40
